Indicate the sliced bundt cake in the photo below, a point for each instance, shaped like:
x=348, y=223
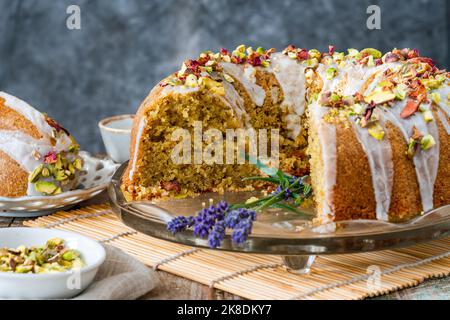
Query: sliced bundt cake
x=371, y=129
x=37, y=155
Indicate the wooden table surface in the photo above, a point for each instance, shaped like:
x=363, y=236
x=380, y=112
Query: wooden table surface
x=174, y=287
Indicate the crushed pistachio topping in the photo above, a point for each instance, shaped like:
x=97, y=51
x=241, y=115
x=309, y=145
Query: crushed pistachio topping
x=53, y=257
x=207, y=66
x=418, y=141
x=56, y=171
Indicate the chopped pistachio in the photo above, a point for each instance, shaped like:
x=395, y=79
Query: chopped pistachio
x=191, y=81
x=54, y=256
x=78, y=163
x=353, y=53
x=331, y=73
x=411, y=148
x=435, y=97
x=292, y=55
x=334, y=97
x=371, y=62
x=427, y=142
x=431, y=84
x=45, y=172
x=400, y=91
x=45, y=187
x=376, y=131
x=265, y=63
x=261, y=50
x=428, y=116
x=379, y=97
x=34, y=176
x=314, y=54
x=372, y=52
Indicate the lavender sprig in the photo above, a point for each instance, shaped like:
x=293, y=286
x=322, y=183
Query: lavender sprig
x=213, y=222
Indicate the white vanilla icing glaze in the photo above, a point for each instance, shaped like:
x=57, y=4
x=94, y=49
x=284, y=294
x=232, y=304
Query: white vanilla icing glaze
x=290, y=74
x=443, y=118
x=349, y=80
x=327, y=138
x=379, y=156
x=235, y=101
x=426, y=161
x=140, y=130
x=245, y=74
x=20, y=146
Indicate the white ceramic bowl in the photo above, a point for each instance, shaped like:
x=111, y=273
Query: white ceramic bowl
x=61, y=285
x=116, y=133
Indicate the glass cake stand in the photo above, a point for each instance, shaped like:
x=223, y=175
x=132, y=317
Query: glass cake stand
x=278, y=232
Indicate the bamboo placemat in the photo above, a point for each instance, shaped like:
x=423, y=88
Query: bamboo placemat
x=257, y=276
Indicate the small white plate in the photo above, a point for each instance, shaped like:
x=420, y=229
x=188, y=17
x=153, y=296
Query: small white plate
x=60, y=285
x=94, y=178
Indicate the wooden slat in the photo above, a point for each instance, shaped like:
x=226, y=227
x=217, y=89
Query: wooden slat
x=272, y=281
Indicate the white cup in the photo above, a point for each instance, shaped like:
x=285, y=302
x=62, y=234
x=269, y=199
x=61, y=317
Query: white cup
x=116, y=132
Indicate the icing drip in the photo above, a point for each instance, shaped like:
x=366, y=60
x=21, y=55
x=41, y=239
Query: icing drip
x=246, y=76
x=136, y=146
x=235, y=101
x=426, y=161
x=327, y=139
x=290, y=74
x=379, y=155
x=444, y=121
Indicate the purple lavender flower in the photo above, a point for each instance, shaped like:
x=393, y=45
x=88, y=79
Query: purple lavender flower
x=217, y=235
x=242, y=230
x=179, y=224
x=212, y=223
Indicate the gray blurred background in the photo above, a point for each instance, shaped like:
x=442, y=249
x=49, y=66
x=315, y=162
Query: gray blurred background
x=125, y=47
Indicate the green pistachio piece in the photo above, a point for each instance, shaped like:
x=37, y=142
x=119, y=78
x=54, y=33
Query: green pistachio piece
x=376, y=131
x=334, y=97
x=435, y=97
x=60, y=175
x=54, y=242
x=428, y=116
x=208, y=69
x=45, y=172
x=372, y=52
x=23, y=269
x=400, y=91
x=78, y=163
x=411, y=148
x=314, y=54
x=353, y=53
x=427, y=142
x=34, y=176
x=431, y=84
x=45, y=187
x=331, y=73
x=69, y=255
x=261, y=50
x=73, y=148
x=265, y=64
x=191, y=81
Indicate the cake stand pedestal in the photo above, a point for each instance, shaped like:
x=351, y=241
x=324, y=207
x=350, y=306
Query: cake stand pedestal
x=299, y=264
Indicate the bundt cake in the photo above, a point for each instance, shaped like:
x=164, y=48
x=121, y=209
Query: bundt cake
x=371, y=130
x=37, y=155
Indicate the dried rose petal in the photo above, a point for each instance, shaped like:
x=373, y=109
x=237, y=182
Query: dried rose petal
x=331, y=50
x=224, y=52
x=303, y=54
x=50, y=157
x=411, y=107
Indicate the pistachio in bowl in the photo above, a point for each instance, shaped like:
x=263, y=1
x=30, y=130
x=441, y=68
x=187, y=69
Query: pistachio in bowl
x=54, y=256
x=40, y=263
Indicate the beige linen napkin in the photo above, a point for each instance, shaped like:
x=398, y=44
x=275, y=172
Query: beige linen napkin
x=121, y=277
